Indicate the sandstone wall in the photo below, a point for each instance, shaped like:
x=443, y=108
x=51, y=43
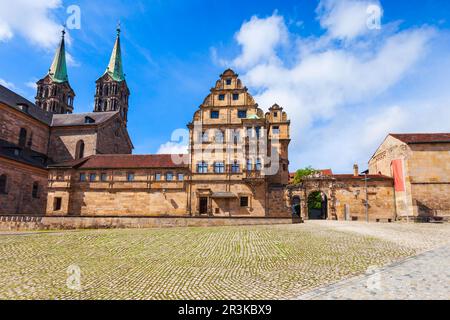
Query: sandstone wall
x=11, y=121
x=20, y=179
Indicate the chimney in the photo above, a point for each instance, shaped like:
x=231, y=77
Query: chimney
x=355, y=170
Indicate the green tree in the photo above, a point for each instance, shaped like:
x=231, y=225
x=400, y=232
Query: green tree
x=315, y=200
x=302, y=173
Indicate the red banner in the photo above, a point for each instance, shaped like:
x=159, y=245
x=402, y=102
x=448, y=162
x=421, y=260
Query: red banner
x=399, y=177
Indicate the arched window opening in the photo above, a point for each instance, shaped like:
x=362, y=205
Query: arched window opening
x=79, y=150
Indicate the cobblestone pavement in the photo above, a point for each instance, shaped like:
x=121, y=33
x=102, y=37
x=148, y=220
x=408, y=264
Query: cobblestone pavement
x=255, y=262
x=423, y=277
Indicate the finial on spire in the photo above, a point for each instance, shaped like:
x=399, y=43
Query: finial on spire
x=63, y=31
x=118, y=28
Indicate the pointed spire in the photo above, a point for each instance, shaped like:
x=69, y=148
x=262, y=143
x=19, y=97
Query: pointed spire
x=58, y=69
x=115, y=68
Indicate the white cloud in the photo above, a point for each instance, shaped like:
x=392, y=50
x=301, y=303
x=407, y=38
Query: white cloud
x=173, y=148
x=259, y=39
x=345, y=19
x=31, y=19
x=31, y=85
x=7, y=84
x=343, y=98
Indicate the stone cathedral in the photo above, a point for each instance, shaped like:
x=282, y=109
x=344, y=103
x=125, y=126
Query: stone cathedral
x=56, y=162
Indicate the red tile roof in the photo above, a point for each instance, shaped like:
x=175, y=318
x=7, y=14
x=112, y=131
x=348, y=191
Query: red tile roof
x=414, y=138
x=125, y=161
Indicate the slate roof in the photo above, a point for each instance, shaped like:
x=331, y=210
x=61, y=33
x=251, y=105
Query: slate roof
x=78, y=119
x=123, y=161
x=23, y=155
x=420, y=138
x=15, y=101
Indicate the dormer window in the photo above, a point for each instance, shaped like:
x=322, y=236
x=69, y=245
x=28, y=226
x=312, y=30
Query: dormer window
x=23, y=107
x=89, y=120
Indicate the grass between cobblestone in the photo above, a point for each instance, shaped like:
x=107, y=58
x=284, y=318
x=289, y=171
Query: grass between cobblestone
x=255, y=262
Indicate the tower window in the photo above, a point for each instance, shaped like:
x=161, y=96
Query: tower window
x=221, y=97
x=242, y=114
x=235, y=96
x=3, y=181
x=214, y=115
x=276, y=130
x=228, y=81
x=275, y=114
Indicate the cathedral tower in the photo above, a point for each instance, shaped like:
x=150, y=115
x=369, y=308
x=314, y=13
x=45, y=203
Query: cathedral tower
x=111, y=88
x=54, y=93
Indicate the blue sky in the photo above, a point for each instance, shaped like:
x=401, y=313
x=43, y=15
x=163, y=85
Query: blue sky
x=344, y=85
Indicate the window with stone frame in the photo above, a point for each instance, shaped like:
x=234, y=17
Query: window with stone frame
x=236, y=136
x=219, y=136
x=221, y=97
x=228, y=82
x=235, y=96
x=57, y=204
x=219, y=167
x=258, y=165
x=92, y=177
x=214, y=114
x=249, y=165
x=235, y=167
x=242, y=114
x=130, y=176
x=202, y=167
x=244, y=202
